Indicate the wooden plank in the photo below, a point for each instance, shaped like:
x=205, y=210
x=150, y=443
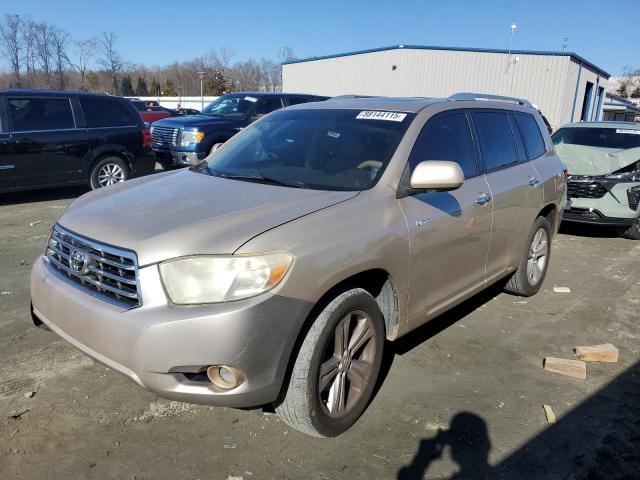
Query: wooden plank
x=562, y=289
x=597, y=353
x=563, y=366
x=551, y=417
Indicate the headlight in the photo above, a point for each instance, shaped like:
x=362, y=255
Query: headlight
x=213, y=279
x=190, y=138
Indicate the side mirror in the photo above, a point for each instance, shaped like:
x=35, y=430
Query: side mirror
x=437, y=175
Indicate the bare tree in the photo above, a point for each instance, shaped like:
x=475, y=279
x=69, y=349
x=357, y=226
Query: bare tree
x=85, y=51
x=60, y=39
x=11, y=44
x=44, y=50
x=29, y=47
x=110, y=59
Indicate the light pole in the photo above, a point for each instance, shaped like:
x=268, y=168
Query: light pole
x=564, y=43
x=201, y=75
x=513, y=29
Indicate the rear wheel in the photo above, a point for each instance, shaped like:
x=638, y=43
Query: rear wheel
x=632, y=233
x=108, y=171
x=337, y=367
x=528, y=278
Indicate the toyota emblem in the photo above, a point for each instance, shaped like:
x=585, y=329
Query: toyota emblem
x=78, y=261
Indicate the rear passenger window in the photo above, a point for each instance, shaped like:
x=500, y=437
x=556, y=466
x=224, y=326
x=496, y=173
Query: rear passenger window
x=42, y=113
x=105, y=112
x=496, y=140
x=297, y=100
x=268, y=105
x=530, y=134
x=446, y=137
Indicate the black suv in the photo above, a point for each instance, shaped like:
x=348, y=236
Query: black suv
x=187, y=140
x=54, y=138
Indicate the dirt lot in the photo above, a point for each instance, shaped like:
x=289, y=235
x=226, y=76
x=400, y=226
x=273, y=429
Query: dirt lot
x=462, y=397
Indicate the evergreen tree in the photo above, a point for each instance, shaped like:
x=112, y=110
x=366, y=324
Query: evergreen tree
x=636, y=91
x=215, y=84
x=141, y=87
x=155, y=88
x=622, y=90
x=126, y=87
x=169, y=89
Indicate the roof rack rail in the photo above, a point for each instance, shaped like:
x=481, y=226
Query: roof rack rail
x=342, y=97
x=489, y=97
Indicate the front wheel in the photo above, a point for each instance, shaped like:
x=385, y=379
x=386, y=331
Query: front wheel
x=337, y=367
x=108, y=171
x=632, y=232
x=528, y=278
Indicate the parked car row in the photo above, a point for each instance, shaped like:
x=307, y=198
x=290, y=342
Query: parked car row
x=273, y=274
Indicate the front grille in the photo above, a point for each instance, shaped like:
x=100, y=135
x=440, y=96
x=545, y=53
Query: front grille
x=164, y=135
x=633, y=195
x=106, y=272
x=585, y=189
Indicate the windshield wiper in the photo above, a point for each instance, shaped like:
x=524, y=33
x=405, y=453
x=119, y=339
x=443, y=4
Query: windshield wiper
x=256, y=177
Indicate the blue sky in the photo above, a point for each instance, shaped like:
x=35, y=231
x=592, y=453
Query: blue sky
x=161, y=32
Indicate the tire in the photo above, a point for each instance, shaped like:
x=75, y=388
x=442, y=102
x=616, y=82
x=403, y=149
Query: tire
x=527, y=279
x=631, y=233
x=303, y=406
x=108, y=171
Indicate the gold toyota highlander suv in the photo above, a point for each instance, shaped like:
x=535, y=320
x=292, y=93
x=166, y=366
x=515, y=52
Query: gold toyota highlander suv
x=272, y=274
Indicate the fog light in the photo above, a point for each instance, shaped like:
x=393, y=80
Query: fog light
x=225, y=377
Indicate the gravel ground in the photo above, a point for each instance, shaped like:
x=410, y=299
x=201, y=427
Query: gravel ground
x=462, y=397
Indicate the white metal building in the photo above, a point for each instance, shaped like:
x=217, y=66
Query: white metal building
x=563, y=85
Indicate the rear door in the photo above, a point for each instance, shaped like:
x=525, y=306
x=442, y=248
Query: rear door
x=7, y=164
x=46, y=145
x=265, y=105
x=449, y=231
x=515, y=188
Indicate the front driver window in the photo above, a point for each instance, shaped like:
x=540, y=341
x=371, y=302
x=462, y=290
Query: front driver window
x=447, y=136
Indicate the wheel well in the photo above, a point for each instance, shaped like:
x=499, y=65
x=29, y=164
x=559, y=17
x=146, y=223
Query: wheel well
x=549, y=212
x=378, y=283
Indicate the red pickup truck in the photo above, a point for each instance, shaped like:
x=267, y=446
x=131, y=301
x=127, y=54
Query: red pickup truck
x=150, y=114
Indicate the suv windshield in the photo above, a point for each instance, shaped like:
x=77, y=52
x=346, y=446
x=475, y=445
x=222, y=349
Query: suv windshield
x=317, y=149
x=613, y=138
x=231, y=106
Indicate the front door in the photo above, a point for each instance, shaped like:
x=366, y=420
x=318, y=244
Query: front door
x=47, y=147
x=450, y=231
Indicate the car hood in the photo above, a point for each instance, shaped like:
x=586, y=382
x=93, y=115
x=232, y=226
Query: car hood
x=181, y=213
x=195, y=121
x=581, y=160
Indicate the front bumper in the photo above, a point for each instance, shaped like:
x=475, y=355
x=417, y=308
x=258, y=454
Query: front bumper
x=613, y=208
x=594, y=217
x=159, y=345
x=177, y=158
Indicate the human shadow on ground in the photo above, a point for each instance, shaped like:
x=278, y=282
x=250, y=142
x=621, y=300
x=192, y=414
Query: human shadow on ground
x=597, y=440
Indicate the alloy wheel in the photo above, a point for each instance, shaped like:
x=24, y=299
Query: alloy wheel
x=347, y=364
x=109, y=174
x=537, y=259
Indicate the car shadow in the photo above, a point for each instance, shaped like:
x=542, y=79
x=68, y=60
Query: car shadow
x=432, y=328
x=43, y=195
x=597, y=440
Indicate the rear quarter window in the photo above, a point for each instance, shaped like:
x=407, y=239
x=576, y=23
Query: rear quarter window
x=106, y=112
x=531, y=135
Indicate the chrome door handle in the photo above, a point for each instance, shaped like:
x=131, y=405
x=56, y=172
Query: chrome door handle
x=533, y=181
x=484, y=198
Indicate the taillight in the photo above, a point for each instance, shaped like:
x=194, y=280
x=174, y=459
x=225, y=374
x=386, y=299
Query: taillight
x=146, y=138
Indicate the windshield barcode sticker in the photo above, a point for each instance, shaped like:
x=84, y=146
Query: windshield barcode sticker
x=389, y=116
x=626, y=130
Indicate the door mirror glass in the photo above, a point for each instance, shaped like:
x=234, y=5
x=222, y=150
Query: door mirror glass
x=437, y=175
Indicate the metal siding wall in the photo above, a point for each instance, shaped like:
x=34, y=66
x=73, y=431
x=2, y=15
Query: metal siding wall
x=439, y=73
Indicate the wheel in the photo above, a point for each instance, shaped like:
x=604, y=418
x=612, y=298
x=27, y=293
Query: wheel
x=108, y=171
x=337, y=367
x=632, y=233
x=528, y=278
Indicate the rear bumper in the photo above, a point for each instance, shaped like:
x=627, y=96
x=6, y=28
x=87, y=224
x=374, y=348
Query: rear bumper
x=144, y=164
x=158, y=345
